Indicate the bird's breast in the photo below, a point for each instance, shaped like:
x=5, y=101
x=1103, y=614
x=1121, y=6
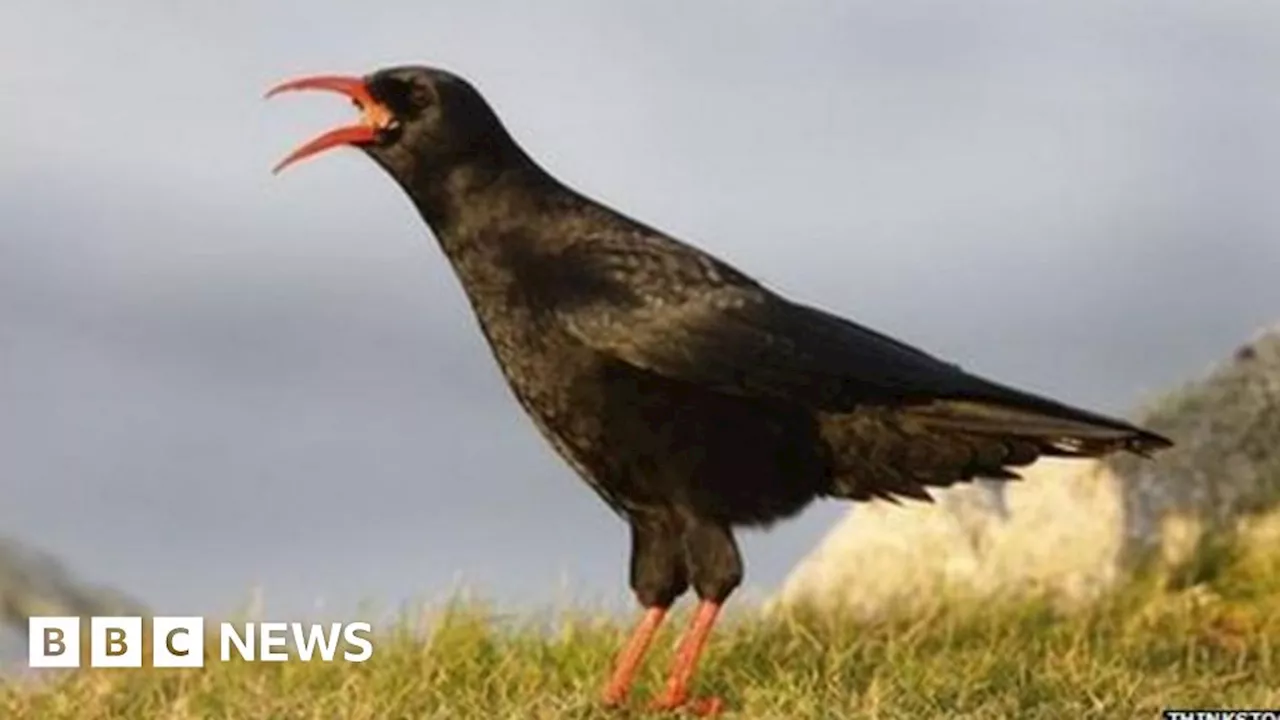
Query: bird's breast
x=545, y=367
x=559, y=384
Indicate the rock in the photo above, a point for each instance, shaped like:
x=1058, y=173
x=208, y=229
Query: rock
x=1071, y=529
x=33, y=582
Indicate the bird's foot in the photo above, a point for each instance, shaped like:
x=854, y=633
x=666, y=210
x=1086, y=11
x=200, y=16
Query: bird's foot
x=701, y=707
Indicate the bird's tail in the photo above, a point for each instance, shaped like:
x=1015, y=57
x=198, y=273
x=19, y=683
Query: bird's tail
x=892, y=452
x=1056, y=429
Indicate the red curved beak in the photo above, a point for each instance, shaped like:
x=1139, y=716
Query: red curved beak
x=374, y=116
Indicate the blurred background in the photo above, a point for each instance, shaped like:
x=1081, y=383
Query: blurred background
x=214, y=381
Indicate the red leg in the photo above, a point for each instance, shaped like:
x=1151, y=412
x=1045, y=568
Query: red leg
x=629, y=659
x=686, y=663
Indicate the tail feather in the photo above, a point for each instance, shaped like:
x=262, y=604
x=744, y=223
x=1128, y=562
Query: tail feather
x=989, y=408
x=903, y=451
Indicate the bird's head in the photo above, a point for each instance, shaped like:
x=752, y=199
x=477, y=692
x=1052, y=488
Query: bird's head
x=411, y=118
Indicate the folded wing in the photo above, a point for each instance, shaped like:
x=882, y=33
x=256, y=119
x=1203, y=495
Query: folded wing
x=667, y=308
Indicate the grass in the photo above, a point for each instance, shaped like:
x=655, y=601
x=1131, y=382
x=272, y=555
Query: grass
x=1206, y=639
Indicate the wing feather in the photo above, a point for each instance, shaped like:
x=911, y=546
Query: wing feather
x=670, y=309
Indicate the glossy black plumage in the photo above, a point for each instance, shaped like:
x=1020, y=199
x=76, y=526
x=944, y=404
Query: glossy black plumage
x=690, y=397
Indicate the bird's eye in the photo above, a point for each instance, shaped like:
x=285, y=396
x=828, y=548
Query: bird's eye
x=420, y=96
x=405, y=98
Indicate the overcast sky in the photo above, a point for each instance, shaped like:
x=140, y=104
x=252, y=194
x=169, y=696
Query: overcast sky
x=213, y=379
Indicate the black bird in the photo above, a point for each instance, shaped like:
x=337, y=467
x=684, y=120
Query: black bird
x=690, y=397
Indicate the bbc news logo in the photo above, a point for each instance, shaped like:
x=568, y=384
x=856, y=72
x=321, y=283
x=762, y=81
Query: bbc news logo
x=179, y=642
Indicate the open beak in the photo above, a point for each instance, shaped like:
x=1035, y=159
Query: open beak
x=374, y=116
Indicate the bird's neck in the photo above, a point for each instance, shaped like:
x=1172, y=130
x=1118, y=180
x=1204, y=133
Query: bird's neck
x=442, y=194
x=466, y=201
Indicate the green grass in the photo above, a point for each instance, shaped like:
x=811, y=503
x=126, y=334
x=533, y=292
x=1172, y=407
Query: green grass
x=1153, y=645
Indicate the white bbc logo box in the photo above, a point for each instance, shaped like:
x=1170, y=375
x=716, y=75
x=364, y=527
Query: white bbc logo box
x=56, y=642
